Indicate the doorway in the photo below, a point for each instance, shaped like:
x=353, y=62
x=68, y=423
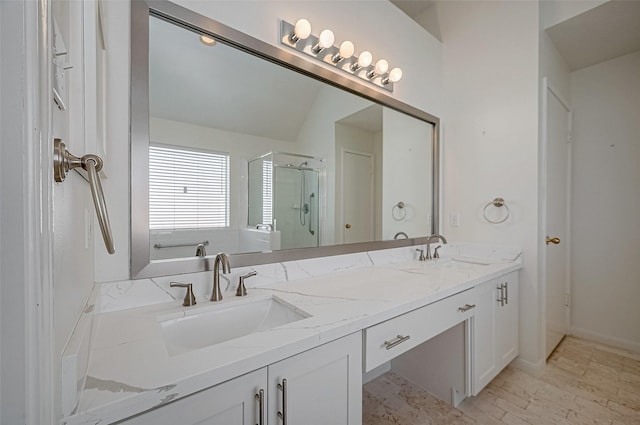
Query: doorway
x=556, y=210
x=357, y=196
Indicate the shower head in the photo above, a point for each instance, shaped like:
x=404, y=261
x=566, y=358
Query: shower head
x=303, y=164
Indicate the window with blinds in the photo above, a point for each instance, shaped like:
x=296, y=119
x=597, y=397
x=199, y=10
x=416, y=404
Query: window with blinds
x=267, y=198
x=188, y=189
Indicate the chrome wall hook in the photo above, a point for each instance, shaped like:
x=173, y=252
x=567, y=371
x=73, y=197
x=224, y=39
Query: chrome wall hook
x=63, y=162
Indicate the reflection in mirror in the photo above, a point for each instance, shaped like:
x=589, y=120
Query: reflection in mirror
x=246, y=155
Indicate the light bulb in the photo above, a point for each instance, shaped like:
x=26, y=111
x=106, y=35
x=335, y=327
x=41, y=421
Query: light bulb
x=346, y=49
x=381, y=66
x=395, y=75
x=326, y=39
x=365, y=59
x=301, y=30
x=207, y=41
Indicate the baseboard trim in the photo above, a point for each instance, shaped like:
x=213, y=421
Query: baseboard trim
x=605, y=339
x=532, y=368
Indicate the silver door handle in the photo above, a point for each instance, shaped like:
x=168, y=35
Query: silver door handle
x=396, y=341
x=466, y=307
x=260, y=398
x=283, y=413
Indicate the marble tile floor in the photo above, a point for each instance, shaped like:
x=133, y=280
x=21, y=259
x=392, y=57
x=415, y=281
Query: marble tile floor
x=583, y=383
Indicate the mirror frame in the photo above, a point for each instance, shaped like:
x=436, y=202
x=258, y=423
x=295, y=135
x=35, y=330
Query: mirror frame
x=141, y=265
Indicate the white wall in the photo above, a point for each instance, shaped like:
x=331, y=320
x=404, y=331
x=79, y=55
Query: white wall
x=403, y=42
x=606, y=204
x=490, y=136
x=406, y=175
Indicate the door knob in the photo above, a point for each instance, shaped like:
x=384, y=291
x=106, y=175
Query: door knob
x=348, y=226
x=554, y=241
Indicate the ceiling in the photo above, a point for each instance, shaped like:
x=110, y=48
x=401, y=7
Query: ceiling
x=413, y=8
x=598, y=35
x=223, y=88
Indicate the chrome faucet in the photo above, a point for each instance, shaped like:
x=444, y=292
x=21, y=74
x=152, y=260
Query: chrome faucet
x=431, y=239
x=201, y=251
x=216, y=294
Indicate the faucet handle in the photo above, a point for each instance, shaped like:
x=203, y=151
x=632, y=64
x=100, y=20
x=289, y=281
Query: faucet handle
x=435, y=251
x=189, y=298
x=242, y=290
x=421, y=257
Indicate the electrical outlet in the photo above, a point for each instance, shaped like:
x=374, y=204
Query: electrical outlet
x=454, y=219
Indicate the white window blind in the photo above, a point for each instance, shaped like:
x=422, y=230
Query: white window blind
x=267, y=198
x=188, y=189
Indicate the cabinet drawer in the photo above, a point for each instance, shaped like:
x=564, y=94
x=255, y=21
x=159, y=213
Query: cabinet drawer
x=389, y=339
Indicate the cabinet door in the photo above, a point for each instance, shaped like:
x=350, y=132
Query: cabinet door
x=318, y=387
x=231, y=403
x=507, y=321
x=484, y=336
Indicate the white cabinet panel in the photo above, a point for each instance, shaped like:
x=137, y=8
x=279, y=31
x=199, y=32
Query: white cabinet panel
x=230, y=403
x=323, y=385
x=495, y=340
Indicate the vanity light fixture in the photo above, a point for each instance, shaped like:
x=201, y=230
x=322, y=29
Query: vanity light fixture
x=207, y=41
x=300, y=38
x=325, y=41
x=301, y=30
x=364, y=60
x=381, y=68
x=394, y=76
x=345, y=52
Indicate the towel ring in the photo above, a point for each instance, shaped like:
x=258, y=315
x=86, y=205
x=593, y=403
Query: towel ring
x=498, y=203
x=398, y=212
x=63, y=162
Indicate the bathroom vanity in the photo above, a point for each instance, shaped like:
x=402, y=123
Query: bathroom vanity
x=338, y=325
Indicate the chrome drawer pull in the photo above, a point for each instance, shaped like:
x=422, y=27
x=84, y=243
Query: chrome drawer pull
x=260, y=398
x=466, y=307
x=283, y=413
x=398, y=340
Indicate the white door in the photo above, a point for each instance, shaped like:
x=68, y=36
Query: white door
x=322, y=386
x=556, y=210
x=357, y=197
x=235, y=402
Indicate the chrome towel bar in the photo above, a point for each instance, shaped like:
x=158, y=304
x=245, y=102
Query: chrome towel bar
x=63, y=162
x=161, y=246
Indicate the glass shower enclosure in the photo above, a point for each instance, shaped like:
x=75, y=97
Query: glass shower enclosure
x=284, y=196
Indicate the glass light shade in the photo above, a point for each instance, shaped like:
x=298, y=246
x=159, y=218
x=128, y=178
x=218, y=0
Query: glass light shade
x=395, y=75
x=207, y=41
x=346, y=49
x=365, y=59
x=381, y=66
x=302, y=29
x=326, y=39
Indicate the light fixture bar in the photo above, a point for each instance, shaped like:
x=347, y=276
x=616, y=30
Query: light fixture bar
x=341, y=57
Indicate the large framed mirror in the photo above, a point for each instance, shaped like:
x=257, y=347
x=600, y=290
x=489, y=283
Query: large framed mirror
x=241, y=147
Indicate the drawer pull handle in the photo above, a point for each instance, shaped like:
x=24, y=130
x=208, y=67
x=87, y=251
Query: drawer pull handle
x=282, y=414
x=260, y=398
x=397, y=341
x=466, y=307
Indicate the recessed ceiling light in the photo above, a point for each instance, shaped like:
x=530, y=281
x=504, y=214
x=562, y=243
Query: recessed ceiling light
x=207, y=41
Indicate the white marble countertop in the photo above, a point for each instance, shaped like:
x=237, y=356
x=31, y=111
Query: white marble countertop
x=130, y=369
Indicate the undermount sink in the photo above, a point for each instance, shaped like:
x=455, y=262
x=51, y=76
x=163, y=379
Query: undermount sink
x=223, y=323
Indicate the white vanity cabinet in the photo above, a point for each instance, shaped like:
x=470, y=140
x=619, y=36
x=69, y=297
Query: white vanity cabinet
x=321, y=386
x=231, y=403
x=495, y=328
x=318, y=387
